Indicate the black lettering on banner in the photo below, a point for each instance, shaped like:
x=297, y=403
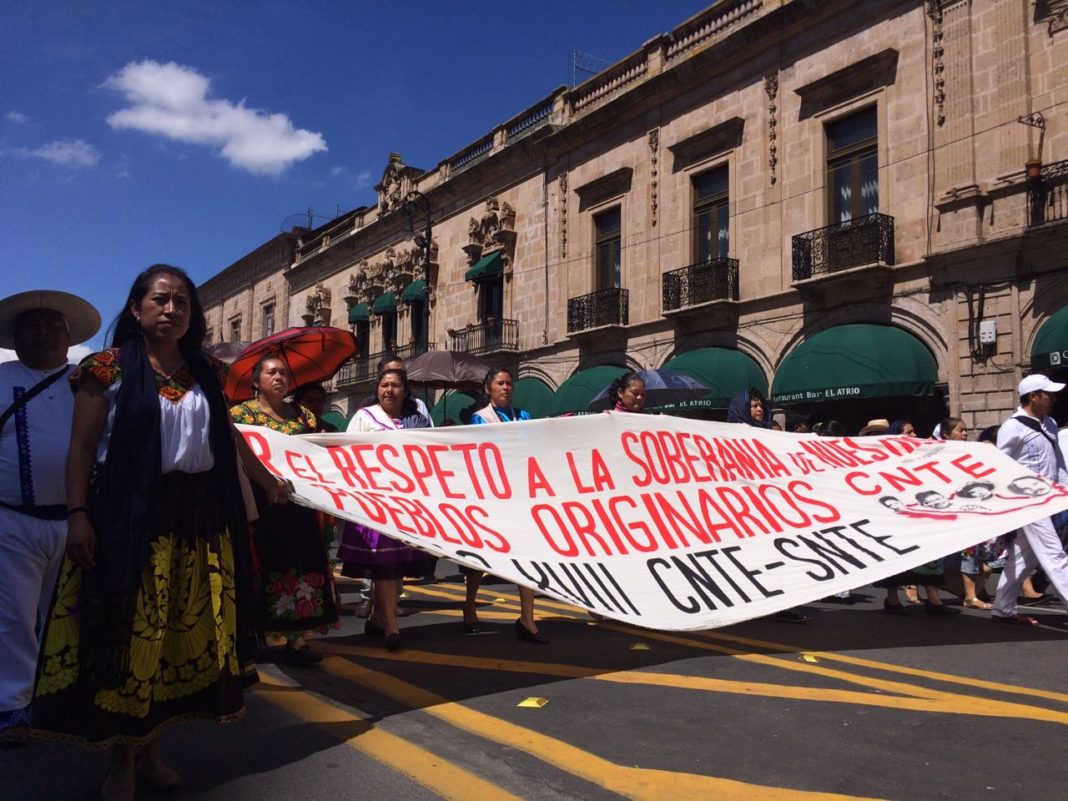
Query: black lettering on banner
x=781, y=544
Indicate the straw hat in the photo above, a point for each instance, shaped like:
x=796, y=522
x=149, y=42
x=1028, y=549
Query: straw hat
x=878, y=426
x=83, y=319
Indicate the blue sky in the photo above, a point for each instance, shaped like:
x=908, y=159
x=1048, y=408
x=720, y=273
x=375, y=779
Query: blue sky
x=186, y=132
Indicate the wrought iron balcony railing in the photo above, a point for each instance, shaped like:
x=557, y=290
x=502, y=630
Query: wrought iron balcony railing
x=362, y=368
x=598, y=309
x=864, y=240
x=490, y=336
x=700, y=283
x=1047, y=194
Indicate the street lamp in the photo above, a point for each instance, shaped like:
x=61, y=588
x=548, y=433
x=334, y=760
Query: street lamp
x=415, y=203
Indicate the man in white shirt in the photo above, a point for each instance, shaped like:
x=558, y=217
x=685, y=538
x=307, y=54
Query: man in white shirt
x=1030, y=437
x=36, y=406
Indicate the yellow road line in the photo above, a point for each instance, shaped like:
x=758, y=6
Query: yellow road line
x=641, y=784
x=897, y=695
x=437, y=774
x=717, y=635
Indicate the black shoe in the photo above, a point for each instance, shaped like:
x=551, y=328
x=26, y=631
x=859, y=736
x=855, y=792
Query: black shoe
x=302, y=656
x=792, y=616
x=940, y=610
x=472, y=628
x=895, y=609
x=393, y=642
x=373, y=629
x=523, y=634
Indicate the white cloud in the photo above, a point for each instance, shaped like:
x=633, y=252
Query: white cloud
x=67, y=153
x=172, y=101
x=360, y=180
x=17, y=117
x=74, y=355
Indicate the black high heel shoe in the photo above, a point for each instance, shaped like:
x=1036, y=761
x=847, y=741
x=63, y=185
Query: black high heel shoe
x=393, y=642
x=523, y=634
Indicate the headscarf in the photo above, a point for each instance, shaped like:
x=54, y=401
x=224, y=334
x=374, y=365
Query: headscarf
x=738, y=411
x=897, y=428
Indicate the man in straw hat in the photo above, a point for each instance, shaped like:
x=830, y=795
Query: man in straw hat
x=36, y=407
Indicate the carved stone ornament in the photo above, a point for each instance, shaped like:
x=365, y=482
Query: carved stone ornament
x=938, y=66
x=317, y=306
x=771, y=87
x=494, y=230
x=654, y=173
x=562, y=181
x=397, y=180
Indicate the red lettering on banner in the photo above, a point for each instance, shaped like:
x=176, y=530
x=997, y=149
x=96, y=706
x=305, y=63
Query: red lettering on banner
x=295, y=469
x=602, y=478
x=384, y=454
x=440, y=473
x=832, y=515
x=536, y=480
x=538, y=512
x=930, y=467
x=876, y=454
x=579, y=486
x=465, y=449
x=503, y=491
x=311, y=466
x=261, y=450
x=343, y=462
x=901, y=479
x=336, y=495
x=369, y=471
x=421, y=471
x=649, y=543
x=584, y=527
x=626, y=439
x=971, y=468
x=852, y=478
x=476, y=514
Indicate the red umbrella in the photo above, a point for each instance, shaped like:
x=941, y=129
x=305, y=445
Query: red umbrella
x=312, y=354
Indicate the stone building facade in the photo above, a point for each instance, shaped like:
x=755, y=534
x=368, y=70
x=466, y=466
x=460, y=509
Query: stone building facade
x=858, y=206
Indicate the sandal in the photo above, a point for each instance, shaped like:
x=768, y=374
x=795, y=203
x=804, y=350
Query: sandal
x=975, y=603
x=1015, y=620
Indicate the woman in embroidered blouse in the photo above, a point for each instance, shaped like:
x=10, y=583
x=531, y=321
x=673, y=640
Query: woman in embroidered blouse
x=297, y=597
x=153, y=616
x=500, y=385
x=368, y=553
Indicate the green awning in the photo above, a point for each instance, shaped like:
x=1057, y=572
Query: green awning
x=1051, y=343
x=855, y=361
x=533, y=395
x=575, y=394
x=723, y=370
x=414, y=291
x=360, y=313
x=386, y=304
x=485, y=269
x=456, y=407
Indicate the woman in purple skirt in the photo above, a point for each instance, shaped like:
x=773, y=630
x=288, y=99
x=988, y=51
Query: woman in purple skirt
x=367, y=553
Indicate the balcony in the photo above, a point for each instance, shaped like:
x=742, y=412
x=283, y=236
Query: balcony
x=700, y=285
x=1047, y=194
x=492, y=336
x=852, y=255
x=608, y=308
x=362, y=369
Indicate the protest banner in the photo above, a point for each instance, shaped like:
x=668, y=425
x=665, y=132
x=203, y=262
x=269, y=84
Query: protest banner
x=660, y=521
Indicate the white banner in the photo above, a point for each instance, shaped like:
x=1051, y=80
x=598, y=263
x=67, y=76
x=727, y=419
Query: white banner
x=660, y=521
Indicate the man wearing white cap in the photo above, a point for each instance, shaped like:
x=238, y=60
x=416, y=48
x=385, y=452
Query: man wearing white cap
x=1030, y=437
x=36, y=406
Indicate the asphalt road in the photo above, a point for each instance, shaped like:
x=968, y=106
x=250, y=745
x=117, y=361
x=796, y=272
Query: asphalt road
x=855, y=704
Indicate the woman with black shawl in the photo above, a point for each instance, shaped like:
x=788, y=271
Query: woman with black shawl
x=153, y=616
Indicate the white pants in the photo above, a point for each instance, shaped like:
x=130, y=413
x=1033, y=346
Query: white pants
x=1036, y=544
x=31, y=553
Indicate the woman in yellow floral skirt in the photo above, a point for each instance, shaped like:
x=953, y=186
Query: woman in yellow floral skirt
x=297, y=597
x=153, y=620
